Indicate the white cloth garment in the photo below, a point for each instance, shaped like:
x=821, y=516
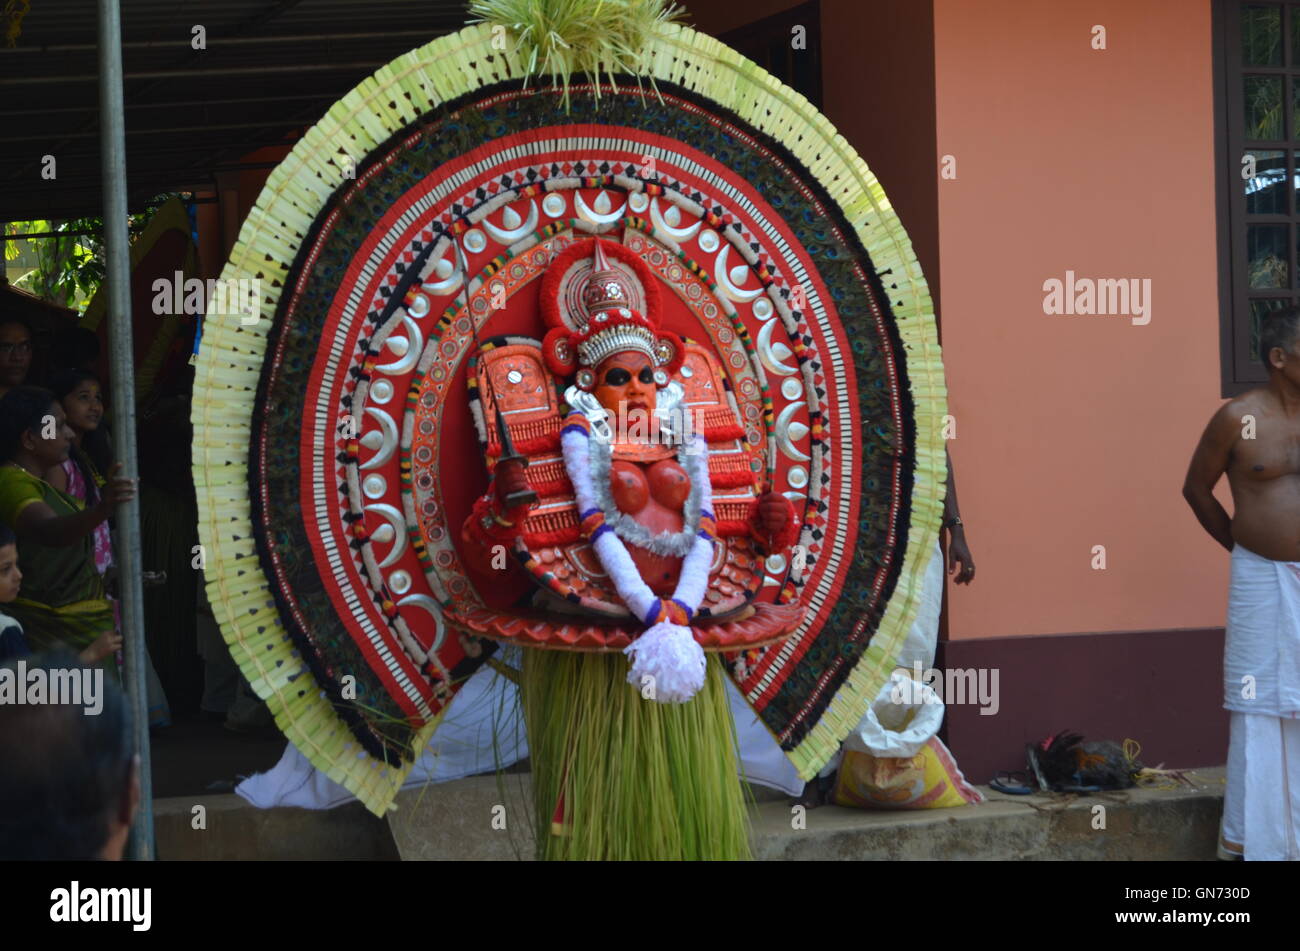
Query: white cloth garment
x=1261, y=655
x=482, y=730
x=1261, y=684
x=762, y=760
x=1261, y=806
x=923, y=636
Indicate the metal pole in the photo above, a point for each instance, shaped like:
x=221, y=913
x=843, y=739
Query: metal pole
x=122, y=363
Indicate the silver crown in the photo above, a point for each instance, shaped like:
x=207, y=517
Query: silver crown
x=593, y=350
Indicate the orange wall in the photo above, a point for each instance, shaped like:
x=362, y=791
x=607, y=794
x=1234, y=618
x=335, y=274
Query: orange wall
x=1076, y=431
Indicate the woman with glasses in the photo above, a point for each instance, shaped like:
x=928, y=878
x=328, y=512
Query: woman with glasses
x=15, y=352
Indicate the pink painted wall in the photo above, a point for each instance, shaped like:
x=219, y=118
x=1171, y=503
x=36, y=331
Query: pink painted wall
x=1076, y=431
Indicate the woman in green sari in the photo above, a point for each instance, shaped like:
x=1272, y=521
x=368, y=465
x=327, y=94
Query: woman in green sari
x=62, y=602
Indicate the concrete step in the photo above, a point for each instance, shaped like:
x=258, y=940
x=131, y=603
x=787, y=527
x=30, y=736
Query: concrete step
x=1132, y=825
x=488, y=818
x=232, y=829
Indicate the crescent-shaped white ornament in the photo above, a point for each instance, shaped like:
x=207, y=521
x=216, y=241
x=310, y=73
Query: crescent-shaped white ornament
x=408, y=350
x=426, y=603
x=662, y=222
x=393, y=520
x=449, y=277
x=386, y=442
x=587, y=213
x=787, y=431
x=509, y=235
x=772, y=355
x=721, y=275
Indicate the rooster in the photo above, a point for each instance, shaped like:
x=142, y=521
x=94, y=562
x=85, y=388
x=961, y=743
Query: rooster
x=1065, y=763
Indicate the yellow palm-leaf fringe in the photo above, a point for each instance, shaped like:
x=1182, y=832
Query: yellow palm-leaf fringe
x=232, y=353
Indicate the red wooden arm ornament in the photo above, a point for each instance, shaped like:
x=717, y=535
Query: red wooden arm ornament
x=773, y=522
x=489, y=525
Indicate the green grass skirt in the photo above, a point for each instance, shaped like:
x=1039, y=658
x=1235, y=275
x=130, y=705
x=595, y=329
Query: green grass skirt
x=637, y=779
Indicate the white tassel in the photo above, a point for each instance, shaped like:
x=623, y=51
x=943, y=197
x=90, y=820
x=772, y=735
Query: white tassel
x=666, y=659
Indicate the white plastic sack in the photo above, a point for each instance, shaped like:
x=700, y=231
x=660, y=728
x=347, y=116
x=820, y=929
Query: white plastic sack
x=901, y=720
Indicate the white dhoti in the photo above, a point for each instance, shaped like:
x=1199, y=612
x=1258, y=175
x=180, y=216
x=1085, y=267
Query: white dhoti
x=1261, y=675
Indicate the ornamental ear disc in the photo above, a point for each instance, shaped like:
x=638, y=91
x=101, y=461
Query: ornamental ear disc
x=586, y=379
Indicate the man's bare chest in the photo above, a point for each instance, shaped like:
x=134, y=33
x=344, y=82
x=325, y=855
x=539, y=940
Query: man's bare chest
x=1269, y=448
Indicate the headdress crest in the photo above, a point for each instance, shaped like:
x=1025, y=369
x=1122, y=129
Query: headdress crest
x=600, y=299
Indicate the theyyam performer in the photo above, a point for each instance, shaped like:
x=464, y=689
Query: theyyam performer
x=635, y=370
x=634, y=455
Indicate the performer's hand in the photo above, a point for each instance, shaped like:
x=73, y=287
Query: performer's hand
x=775, y=515
x=509, y=479
x=959, y=553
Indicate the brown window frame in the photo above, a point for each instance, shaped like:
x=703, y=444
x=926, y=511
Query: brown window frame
x=1240, y=369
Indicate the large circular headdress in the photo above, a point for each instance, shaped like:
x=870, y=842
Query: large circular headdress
x=334, y=452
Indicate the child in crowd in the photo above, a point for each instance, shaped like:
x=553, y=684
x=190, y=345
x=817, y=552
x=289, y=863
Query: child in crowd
x=80, y=475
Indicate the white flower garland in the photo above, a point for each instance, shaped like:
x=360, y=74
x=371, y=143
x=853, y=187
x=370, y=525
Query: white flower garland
x=667, y=662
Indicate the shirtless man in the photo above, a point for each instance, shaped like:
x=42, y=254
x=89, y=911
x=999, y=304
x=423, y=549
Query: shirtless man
x=1255, y=439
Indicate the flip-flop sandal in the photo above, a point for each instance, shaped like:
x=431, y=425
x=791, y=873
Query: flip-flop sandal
x=1032, y=755
x=1012, y=784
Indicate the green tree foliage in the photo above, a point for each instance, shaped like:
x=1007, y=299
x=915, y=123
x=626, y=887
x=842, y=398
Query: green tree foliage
x=69, y=267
